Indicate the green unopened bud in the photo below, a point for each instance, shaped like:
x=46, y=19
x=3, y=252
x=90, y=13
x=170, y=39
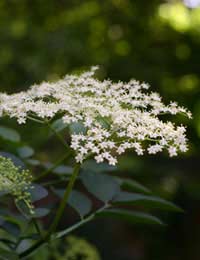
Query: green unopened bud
x=15, y=181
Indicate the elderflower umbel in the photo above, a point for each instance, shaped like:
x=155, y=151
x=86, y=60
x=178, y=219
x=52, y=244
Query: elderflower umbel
x=15, y=181
x=115, y=116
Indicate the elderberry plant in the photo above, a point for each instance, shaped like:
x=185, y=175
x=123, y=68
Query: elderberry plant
x=103, y=120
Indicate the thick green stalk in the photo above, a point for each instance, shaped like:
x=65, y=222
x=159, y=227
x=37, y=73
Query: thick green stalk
x=64, y=200
x=58, y=216
x=63, y=232
x=79, y=224
x=32, y=249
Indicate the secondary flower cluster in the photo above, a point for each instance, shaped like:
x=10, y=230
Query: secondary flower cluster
x=15, y=182
x=116, y=116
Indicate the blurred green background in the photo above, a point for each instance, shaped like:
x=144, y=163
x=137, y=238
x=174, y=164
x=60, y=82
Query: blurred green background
x=153, y=41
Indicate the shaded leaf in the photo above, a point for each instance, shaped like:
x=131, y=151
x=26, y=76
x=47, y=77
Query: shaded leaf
x=102, y=186
x=9, y=134
x=25, y=151
x=92, y=165
x=33, y=162
x=23, y=208
x=10, y=226
x=37, y=192
x=131, y=216
x=133, y=185
x=80, y=203
x=145, y=200
x=58, y=125
x=41, y=212
x=63, y=169
x=77, y=128
x=77, y=201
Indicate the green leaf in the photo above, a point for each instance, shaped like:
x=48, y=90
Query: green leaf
x=33, y=162
x=9, y=134
x=63, y=169
x=25, y=151
x=8, y=255
x=131, y=216
x=77, y=201
x=41, y=212
x=10, y=226
x=145, y=200
x=77, y=128
x=23, y=208
x=80, y=203
x=37, y=192
x=133, y=185
x=103, y=121
x=93, y=166
x=102, y=186
x=58, y=125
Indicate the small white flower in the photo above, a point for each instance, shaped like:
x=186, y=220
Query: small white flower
x=172, y=151
x=153, y=149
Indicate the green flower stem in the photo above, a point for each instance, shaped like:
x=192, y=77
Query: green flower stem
x=79, y=224
x=35, y=119
x=37, y=227
x=64, y=200
x=32, y=249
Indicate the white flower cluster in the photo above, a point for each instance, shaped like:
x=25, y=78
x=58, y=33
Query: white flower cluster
x=116, y=116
